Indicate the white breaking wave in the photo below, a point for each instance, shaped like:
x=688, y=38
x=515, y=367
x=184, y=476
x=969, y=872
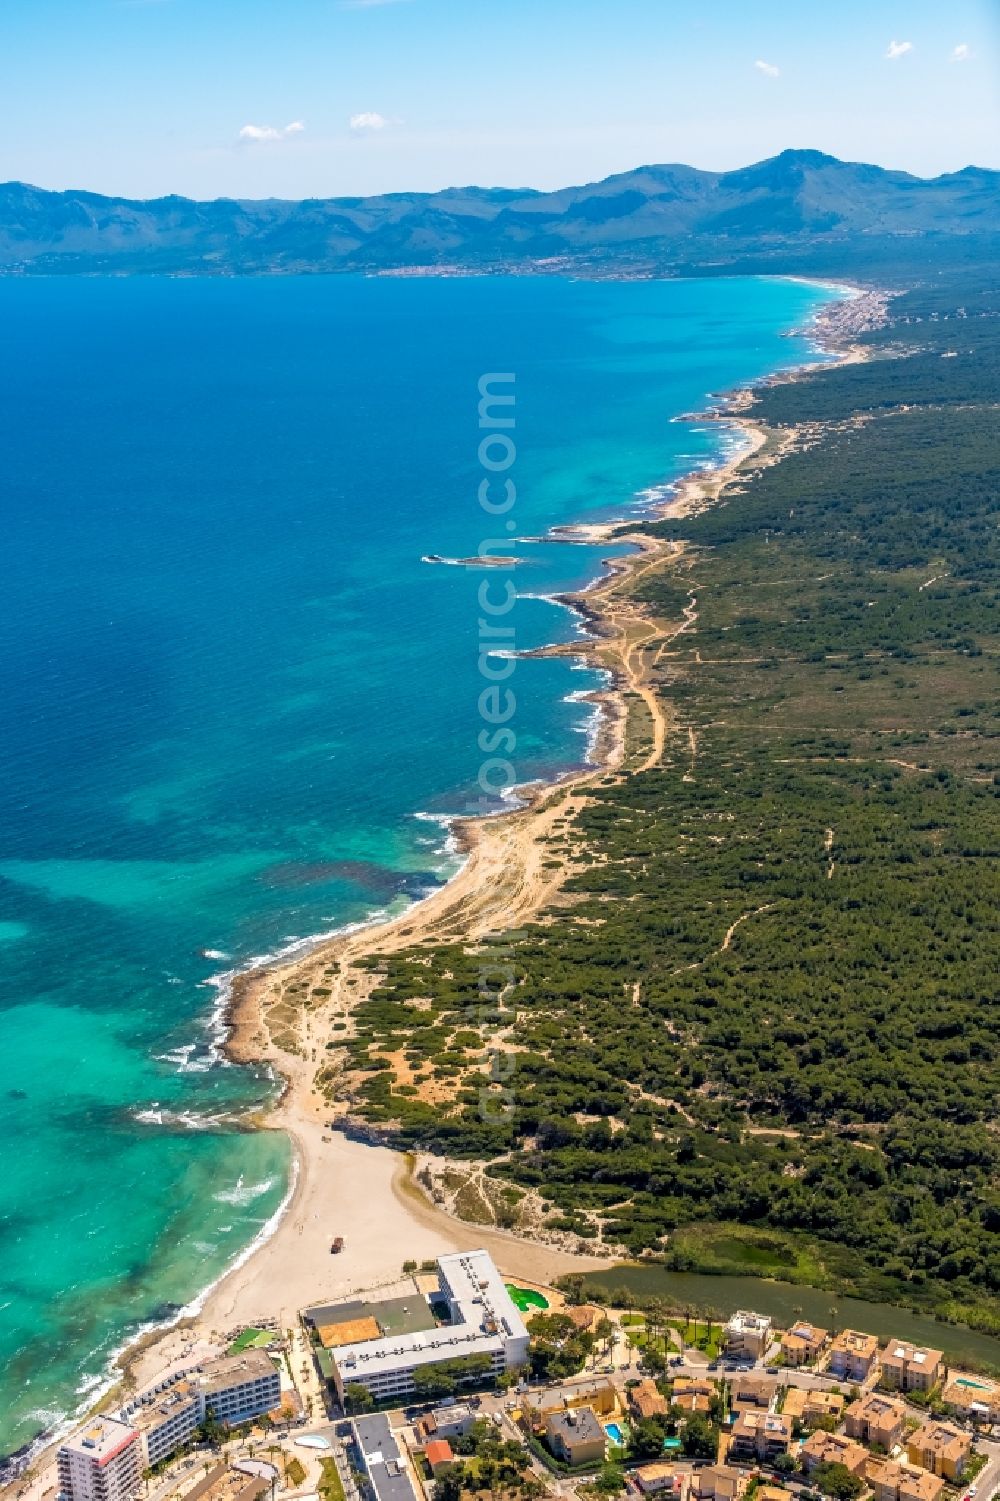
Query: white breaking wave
x=243, y=1193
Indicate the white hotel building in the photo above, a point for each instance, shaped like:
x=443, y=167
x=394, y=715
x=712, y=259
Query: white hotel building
x=483, y=1321
x=101, y=1462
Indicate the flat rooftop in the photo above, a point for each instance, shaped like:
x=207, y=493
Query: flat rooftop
x=383, y=1461
x=233, y=1370
x=406, y=1315
x=164, y=1405
x=100, y=1440
x=483, y=1319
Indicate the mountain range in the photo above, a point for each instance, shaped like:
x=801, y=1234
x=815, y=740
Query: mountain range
x=800, y=208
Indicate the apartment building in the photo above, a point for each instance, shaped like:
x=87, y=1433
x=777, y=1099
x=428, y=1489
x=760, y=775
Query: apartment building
x=576, y=1437
x=759, y=1435
x=812, y=1407
x=876, y=1419
x=854, y=1356
x=911, y=1368
x=941, y=1448
x=893, y=1482
x=100, y=1462
x=748, y=1334
x=803, y=1344
x=833, y=1449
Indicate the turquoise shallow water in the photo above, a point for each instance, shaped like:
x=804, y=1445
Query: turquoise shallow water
x=229, y=684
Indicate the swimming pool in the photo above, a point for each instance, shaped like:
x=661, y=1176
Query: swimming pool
x=615, y=1434
x=977, y=1386
x=671, y=1443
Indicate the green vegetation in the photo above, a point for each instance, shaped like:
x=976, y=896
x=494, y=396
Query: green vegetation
x=558, y=1349
x=357, y=1398
x=757, y=1033
x=251, y=1339
x=442, y=1378
x=837, y=1480
x=295, y=1474
x=331, y=1486
x=487, y=1463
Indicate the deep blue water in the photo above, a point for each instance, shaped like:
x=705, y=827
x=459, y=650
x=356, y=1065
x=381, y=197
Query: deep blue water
x=228, y=683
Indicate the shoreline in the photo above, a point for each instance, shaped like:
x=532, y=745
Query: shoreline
x=501, y=881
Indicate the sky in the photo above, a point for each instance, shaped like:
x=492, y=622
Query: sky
x=318, y=98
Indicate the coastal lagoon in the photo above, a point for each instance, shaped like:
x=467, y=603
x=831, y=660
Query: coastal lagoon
x=238, y=707
x=784, y=1302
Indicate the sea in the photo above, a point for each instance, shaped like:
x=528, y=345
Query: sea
x=238, y=706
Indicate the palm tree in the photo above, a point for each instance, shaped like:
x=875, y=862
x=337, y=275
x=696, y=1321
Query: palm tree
x=712, y=1317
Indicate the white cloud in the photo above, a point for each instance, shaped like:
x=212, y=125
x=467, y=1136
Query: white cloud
x=271, y=132
x=370, y=120
x=898, y=49
x=768, y=68
x=962, y=53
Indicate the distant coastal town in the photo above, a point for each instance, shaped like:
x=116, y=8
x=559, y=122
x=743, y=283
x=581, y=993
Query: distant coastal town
x=455, y=1384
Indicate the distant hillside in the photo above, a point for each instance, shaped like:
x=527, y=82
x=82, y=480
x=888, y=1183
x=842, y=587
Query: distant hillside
x=801, y=206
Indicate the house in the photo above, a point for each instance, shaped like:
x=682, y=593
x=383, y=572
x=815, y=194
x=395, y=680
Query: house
x=439, y=1455
x=600, y=1396
x=446, y=1422
x=941, y=1448
x=759, y=1435
x=803, y=1344
x=718, y=1483
x=576, y=1437
x=659, y=1479
x=692, y=1402
x=646, y=1400
x=893, y=1482
x=911, y=1368
x=854, y=1356
x=833, y=1449
x=976, y=1398
x=702, y=1385
x=749, y=1390
x=876, y=1419
x=748, y=1334
x=810, y=1408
